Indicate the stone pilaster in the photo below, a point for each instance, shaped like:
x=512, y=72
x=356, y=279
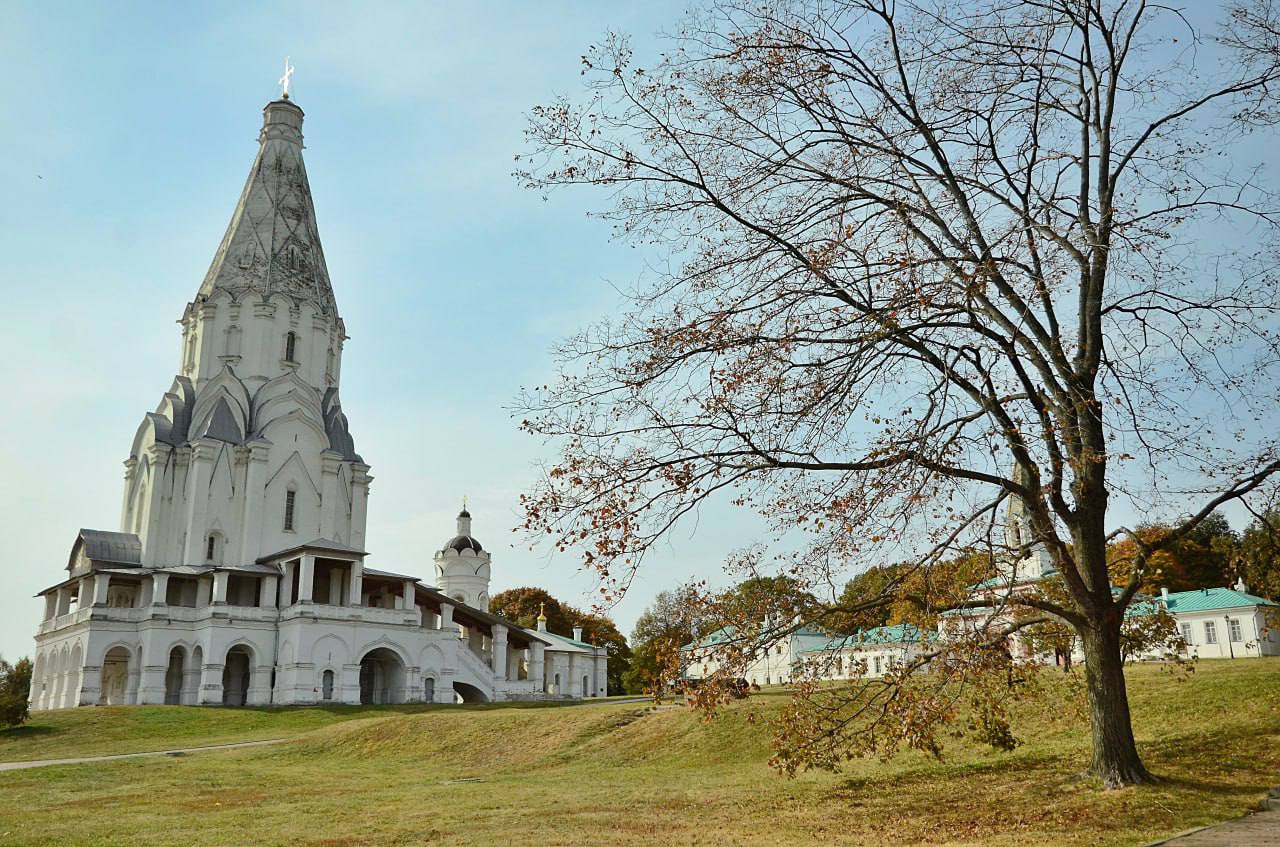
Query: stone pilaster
x=198, y=478
x=255, y=490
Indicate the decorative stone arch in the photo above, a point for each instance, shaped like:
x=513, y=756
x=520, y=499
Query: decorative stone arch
x=305, y=415
x=384, y=670
x=330, y=650
x=468, y=693
x=238, y=671
x=225, y=386
x=119, y=679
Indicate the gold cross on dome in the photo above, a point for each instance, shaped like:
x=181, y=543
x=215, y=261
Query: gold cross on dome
x=286, y=79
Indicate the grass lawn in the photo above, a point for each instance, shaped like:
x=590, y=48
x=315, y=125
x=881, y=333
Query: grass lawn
x=618, y=774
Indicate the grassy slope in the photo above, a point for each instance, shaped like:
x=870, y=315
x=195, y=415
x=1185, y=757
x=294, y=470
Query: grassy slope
x=617, y=775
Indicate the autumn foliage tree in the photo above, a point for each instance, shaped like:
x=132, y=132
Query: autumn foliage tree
x=523, y=605
x=921, y=260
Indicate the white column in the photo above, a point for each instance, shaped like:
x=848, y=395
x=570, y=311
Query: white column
x=85, y=597
x=500, y=651
x=307, y=579
x=204, y=592
x=536, y=665
x=64, y=600
x=446, y=616
x=407, y=594
x=335, y=587
x=267, y=596
x=51, y=605
x=355, y=587
x=211, y=684
x=159, y=588
x=330, y=462
x=101, y=582
x=91, y=686
x=220, y=580
x=571, y=685
x=360, y=480
x=286, y=586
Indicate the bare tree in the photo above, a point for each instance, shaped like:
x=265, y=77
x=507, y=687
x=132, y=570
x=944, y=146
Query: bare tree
x=926, y=257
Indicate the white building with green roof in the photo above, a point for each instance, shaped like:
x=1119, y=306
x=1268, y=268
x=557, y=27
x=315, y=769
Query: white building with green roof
x=1225, y=623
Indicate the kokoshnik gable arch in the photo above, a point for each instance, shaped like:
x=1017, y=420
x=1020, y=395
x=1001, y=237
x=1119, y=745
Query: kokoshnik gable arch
x=237, y=576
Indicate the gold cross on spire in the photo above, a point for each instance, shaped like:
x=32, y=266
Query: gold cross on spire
x=542, y=613
x=286, y=79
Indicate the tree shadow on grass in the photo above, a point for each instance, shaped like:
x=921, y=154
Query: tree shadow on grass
x=16, y=733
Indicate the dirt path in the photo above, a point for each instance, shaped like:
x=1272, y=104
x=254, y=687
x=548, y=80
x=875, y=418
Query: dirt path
x=44, y=763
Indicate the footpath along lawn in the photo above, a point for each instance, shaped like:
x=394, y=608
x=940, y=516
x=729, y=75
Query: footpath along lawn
x=617, y=774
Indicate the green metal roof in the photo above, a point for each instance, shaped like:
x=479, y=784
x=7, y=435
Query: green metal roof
x=1208, y=599
x=903, y=633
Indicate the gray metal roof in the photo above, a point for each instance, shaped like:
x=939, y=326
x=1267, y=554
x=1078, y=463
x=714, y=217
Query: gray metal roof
x=99, y=545
x=317, y=545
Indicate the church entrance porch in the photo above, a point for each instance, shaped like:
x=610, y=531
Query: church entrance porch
x=382, y=677
x=236, y=674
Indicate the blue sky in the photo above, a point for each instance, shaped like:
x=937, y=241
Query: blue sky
x=126, y=132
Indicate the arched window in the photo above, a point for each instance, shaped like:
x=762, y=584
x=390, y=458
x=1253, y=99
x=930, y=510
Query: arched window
x=290, y=346
x=191, y=351
x=289, y=497
x=212, y=545
x=328, y=368
x=326, y=685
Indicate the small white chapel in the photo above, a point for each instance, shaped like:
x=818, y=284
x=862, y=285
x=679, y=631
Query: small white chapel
x=237, y=574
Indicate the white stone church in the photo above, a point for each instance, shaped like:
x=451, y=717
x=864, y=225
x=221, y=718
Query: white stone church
x=237, y=576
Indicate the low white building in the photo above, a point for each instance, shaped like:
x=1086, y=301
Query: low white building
x=869, y=653
x=237, y=576
x=1225, y=623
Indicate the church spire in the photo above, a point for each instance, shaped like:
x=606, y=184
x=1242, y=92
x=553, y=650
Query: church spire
x=272, y=244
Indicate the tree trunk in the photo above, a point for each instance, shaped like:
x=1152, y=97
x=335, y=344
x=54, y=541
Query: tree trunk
x=1115, y=755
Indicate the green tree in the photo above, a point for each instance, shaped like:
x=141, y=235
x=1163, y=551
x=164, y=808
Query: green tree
x=522, y=605
x=15, y=691
x=1259, y=562
x=671, y=621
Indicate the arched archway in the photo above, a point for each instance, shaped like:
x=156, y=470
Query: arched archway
x=382, y=677
x=468, y=693
x=115, y=676
x=236, y=674
x=174, y=676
